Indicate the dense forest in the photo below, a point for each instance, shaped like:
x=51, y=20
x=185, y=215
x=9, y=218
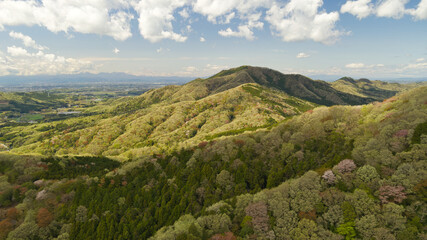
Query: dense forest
x=338, y=172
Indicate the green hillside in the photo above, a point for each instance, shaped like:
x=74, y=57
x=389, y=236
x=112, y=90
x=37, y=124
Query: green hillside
x=33, y=101
x=228, y=103
x=156, y=127
x=293, y=84
x=240, y=155
x=377, y=90
x=270, y=184
x=369, y=191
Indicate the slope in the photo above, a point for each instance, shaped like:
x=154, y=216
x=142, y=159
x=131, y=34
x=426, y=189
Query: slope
x=22, y=102
x=228, y=103
x=294, y=85
x=159, y=126
x=221, y=186
x=376, y=191
x=377, y=90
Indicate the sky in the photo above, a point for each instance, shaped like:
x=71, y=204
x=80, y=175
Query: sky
x=376, y=39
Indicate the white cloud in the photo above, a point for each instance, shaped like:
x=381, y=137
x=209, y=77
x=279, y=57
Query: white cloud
x=21, y=61
x=103, y=17
x=301, y=20
x=247, y=11
x=161, y=50
x=243, y=31
x=419, y=66
x=385, y=8
x=202, y=39
x=364, y=66
x=420, y=60
x=215, y=8
x=358, y=8
x=253, y=21
x=302, y=55
x=155, y=19
x=42, y=63
x=227, y=19
x=355, y=65
x=420, y=13
x=116, y=50
x=17, y=51
x=184, y=13
x=392, y=8
x=26, y=40
x=215, y=68
x=292, y=20
x=190, y=69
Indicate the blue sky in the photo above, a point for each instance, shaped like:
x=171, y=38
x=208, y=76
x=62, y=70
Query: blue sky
x=360, y=38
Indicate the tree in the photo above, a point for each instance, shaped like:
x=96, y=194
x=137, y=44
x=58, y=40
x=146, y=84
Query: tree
x=329, y=177
x=368, y=176
x=306, y=229
x=362, y=203
x=44, y=217
x=393, y=217
x=225, y=236
x=218, y=223
x=5, y=227
x=365, y=226
x=347, y=230
x=304, y=192
x=27, y=230
x=12, y=213
x=258, y=213
x=225, y=180
x=346, y=166
x=382, y=234
x=333, y=216
x=81, y=214
x=392, y=194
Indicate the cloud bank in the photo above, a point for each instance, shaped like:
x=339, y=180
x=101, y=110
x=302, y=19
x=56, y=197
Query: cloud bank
x=291, y=21
x=385, y=8
x=33, y=60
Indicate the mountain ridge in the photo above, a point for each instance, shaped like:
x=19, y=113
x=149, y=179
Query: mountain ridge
x=374, y=89
x=144, y=124
x=228, y=103
x=295, y=85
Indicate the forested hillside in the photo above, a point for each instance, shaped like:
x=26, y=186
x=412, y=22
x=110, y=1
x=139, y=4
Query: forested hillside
x=330, y=173
x=25, y=102
x=157, y=127
x=377, y=90
x=234, y=101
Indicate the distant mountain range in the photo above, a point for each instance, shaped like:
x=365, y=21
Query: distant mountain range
x=124, y=78
x=85, y=79
x=331, y=78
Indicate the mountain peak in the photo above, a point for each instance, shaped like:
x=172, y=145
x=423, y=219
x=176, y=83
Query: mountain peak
x=295, y=85
x=230, y=71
